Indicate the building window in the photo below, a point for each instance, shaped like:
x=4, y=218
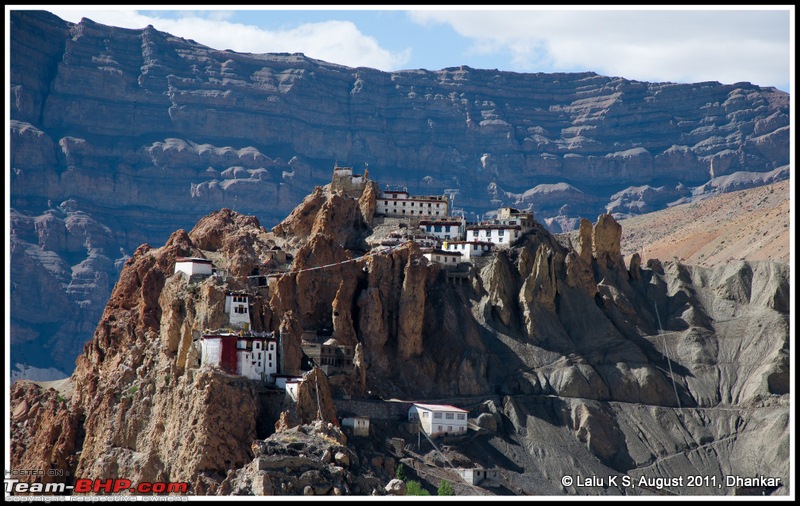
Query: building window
x=437, y=415
x=269, y=355
x=449, y=428
x=424, y=414
x=501, y=232
x=449, y=416
x=462, y=416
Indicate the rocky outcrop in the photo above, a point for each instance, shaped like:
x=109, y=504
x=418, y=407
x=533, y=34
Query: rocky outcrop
x=314, y=402
x=45, y=432
x=309, y=460
x=606, y=237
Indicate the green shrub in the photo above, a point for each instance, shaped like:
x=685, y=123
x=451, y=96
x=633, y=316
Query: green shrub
x=445, y=488
x=401, y=472
x=415, y=488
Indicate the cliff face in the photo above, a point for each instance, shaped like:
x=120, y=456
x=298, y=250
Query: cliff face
x=119, y=137
x=605, y=346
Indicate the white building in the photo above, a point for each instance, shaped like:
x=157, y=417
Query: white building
x=360, y=424
x=400, y=203
x=446, y=258
x=193, y=266
x=257, y=358
x=478, y=475
x=439, y=419
x=252, y=355
x=501, y=235
x=468, y=249
x=443, y=229
x=281, y=380
x=237, y=306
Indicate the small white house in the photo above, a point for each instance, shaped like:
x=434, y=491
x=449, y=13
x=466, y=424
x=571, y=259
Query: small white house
x=442, y=229
x=193, y=266
x=237, y=306
x=501, y=235
x=469, y=249
x=439, y=419
x=360, y=424
x=478, y=475
x=447, y=258
x=281, y=380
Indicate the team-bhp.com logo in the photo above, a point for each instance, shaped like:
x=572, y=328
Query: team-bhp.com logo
x=87, y=486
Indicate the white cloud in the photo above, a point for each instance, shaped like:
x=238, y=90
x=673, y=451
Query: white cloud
x=650, y=45
x=332, y=41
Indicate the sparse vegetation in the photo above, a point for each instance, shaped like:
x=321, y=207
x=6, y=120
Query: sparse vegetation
x=445, y=488
x=415, y=488
x=400, y=474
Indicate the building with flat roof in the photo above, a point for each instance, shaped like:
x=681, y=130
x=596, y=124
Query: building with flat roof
x=440, y=256
x=400, y=203
x=444, y=229
x=469, y=249
x=194, y=266
x=249, y=354
x=439, y=419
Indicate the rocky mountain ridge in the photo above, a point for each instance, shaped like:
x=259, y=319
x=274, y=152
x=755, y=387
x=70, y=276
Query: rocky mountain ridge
x=646, y=370
x=120, y=136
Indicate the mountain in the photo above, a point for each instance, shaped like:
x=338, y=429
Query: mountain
x=118, y=137
x=750, y=224
x=568, y=362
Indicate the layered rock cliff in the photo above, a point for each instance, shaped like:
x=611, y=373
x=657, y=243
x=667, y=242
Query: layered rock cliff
x=119, y=137
x=584, y=352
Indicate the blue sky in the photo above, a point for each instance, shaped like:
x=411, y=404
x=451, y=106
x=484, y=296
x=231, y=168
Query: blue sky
x=653, y=43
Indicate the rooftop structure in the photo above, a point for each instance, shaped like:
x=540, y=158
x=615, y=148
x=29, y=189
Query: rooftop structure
x=345, y=181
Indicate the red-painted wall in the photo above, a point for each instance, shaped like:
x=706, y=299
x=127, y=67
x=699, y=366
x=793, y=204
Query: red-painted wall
x=228, y=356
